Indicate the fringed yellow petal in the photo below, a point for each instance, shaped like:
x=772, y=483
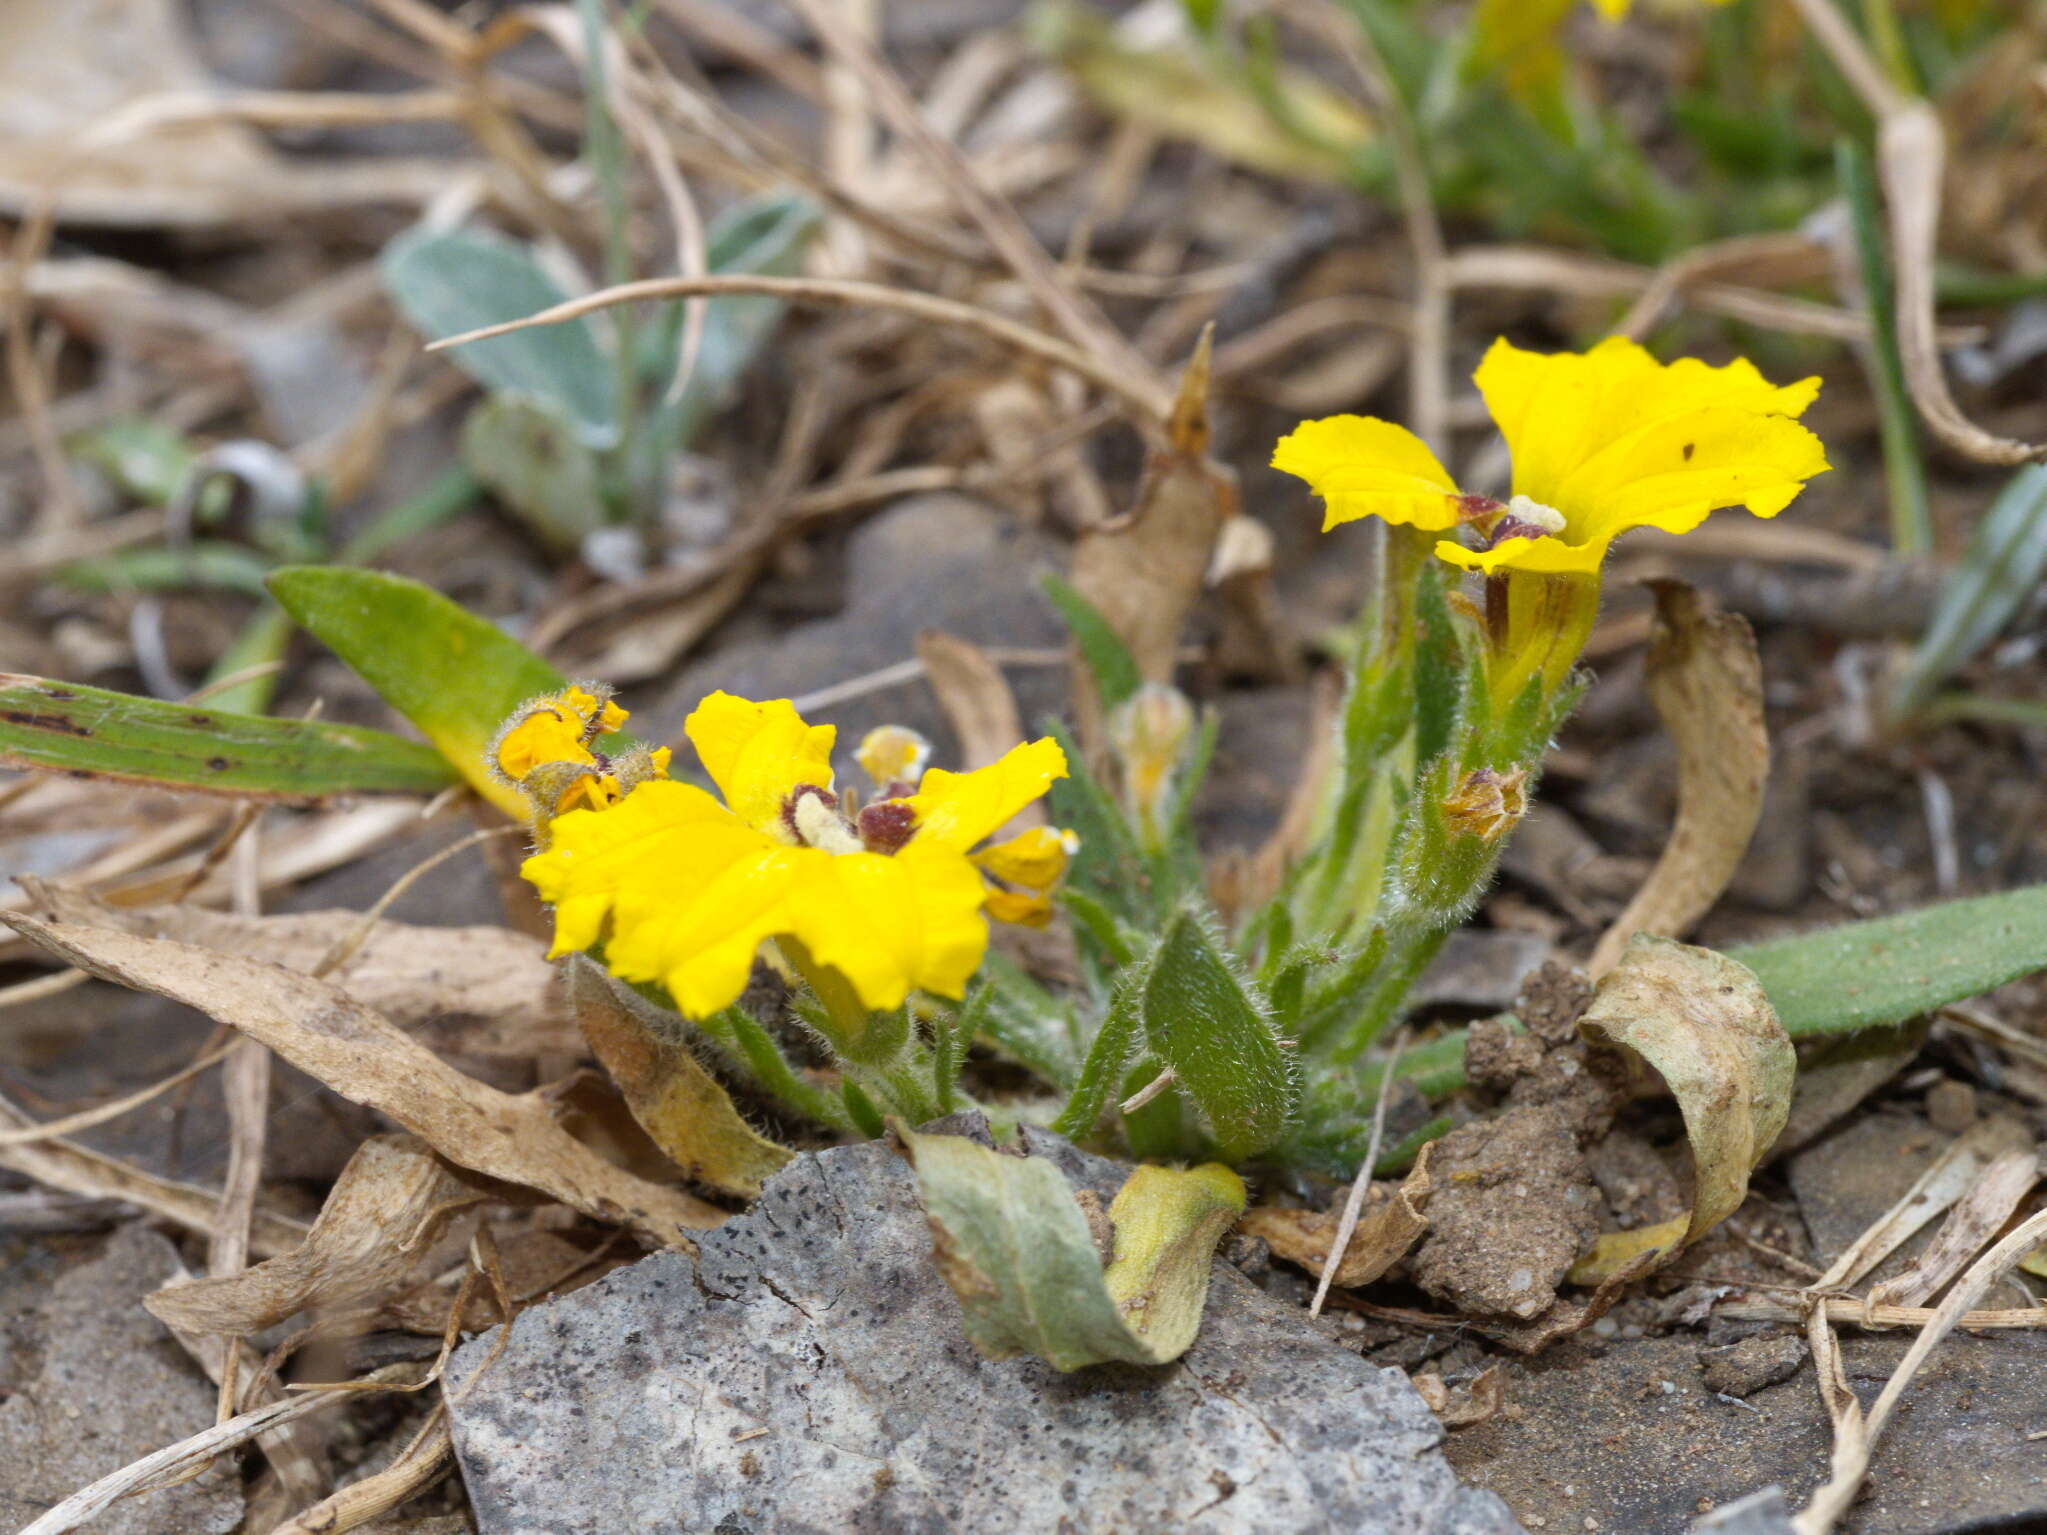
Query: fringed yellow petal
x=891, y=925
x=757, y=752
x=1561, y=412
x=1364, y=467
x=957, y=810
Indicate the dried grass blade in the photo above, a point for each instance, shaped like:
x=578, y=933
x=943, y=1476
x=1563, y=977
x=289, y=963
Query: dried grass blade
x=355, y=1051
x=1978, y=1217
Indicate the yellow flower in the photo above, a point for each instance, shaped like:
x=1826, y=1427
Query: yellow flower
x=684, y=890
x=560, y=729
x=1033, y=860
x=1602, y=442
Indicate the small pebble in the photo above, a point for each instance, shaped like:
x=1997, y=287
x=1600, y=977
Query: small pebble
x=1951, y=1106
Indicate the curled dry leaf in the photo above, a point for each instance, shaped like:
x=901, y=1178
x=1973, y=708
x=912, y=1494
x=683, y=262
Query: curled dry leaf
x=1144, y=571
x=388, y=1208
x=1384, y=1232
x=480, y=990
x=1015, y=1247
x=673, y=1098
x=1482, y=1401
x=1702, y=1022
x=329, y=1035
x=1707, y=683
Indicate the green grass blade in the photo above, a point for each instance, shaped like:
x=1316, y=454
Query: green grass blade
x=1999, y=573
x=62, y=727
x=1115, y=672
x=456, y=676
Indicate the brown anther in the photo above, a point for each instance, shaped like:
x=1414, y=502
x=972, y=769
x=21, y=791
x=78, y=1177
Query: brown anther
x=886, y=826
x=1471, y=508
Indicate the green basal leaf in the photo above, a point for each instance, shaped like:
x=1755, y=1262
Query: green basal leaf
x=146, y=458
x=532, y=460
x=448, y=282
x=1865, y=975
x=1206, y=1021
x=62, y=727
x=456, y=676
x=1110, y=663
x=1014, y=1246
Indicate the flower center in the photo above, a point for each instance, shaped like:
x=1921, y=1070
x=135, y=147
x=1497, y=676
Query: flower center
x=812, y=816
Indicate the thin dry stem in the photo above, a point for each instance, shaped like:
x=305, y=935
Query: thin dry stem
x=1149, y=407
x=1347, y=1225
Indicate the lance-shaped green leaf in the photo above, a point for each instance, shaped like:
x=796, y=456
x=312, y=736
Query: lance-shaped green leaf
x=1207, y=1022
x=63, y=727
x=678, y=1103
x=449, y=282
x=1014, y=1245
x=456, y=676
x=1865, y=975
x=1702, y=1022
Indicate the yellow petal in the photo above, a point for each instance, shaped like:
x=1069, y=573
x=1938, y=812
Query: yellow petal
x=1673, y=472
x=757, y=753
x=957, y=810
x=1559, y=411
x=551, y=733
x=1036, y=859
x=891, y=925
x=687, y=890
x=1364, y=467
x=1549, y=556
x=1019, y=909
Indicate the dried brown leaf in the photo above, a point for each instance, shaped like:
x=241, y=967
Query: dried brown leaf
x=1144, y=571
x=674, y=1099
x=329, y=1035
x=1482, y=1400
x=1702, y=1022
x=480, y=990
x=386, y=1211
x=1707, y=683
x=1383, y=1236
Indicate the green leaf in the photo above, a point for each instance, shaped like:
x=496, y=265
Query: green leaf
x=62, y=727
x=533, y=462
x=460, y=280
x=1014, y=1246
x=1114, y=669
x=1865, y=975
x=204, y=564
x=1999, y=572
x=1206, y=1021
x=454, y=675
x=143, y=456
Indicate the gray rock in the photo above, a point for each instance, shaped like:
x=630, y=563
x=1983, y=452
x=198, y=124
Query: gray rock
x=931, y=562
x=91, y=1382
x=1744, y=1368
x=808, y=1373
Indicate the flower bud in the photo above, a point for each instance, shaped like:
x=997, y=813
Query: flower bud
x=1486, y=804
x=1148, y=731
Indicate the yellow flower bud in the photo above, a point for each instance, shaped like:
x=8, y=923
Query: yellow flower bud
x=1486, y=804
x=1148, y=731
x=893, y=754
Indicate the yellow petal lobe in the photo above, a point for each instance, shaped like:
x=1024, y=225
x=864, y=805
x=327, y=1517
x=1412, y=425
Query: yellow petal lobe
x=957, y=810
x=757, y=752
x=1364, y=467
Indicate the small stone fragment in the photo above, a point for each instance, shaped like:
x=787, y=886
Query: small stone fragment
x=1740, y=1368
